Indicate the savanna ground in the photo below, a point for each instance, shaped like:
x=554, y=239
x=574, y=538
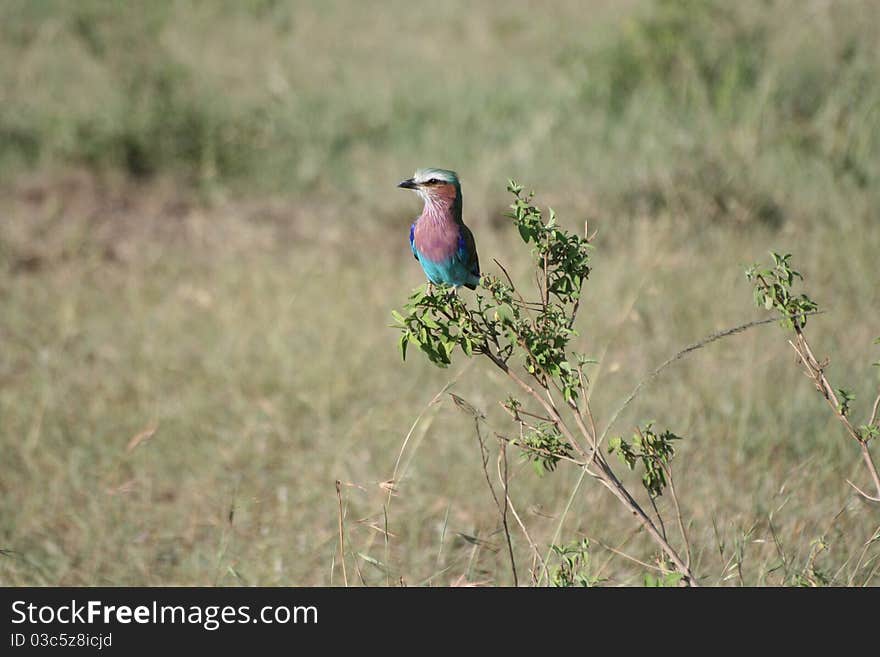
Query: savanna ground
x=201, y=243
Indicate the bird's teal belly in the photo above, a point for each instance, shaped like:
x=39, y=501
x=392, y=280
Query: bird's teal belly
x=451, y=271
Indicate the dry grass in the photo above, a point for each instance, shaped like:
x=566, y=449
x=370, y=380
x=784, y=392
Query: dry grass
x=216, y=336
x=185, y=374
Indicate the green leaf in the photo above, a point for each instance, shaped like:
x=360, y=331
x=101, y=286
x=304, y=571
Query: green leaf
x=672, y=579
x=419, y=295
x=504, y=313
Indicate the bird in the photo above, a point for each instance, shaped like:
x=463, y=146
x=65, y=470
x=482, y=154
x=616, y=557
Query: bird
x=440, y=241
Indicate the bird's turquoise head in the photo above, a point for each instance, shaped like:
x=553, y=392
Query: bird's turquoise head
x=433, y=184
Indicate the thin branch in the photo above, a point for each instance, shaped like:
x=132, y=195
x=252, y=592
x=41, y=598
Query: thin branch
x=357, y=569
x=505, y=440
x=532, y=544
x=521, y=411
x=586, y=401
x=576, y=306
x=542, y=451
x=684, y=536
x=865, y=549
x=387, y=536
x=718, y=335
x=551, y=410
x=502, y=460
x=577, y=416
x=591, y=438
x=341, y=533
x=659, y=516
x=484, y=460
x=412, y=429
x=613, y=484
x=620, y=553
x=816, y=371
x=874, y=410
x=605, y=474
x=863, y=493
x=522, y=300
x=869, y=462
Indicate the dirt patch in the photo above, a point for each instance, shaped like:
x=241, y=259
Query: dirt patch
x=50, y=218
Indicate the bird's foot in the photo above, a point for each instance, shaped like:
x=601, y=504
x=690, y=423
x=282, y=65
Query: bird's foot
x=429, y=290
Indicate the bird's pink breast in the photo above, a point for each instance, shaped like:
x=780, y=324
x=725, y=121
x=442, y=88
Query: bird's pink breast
x=436, y=238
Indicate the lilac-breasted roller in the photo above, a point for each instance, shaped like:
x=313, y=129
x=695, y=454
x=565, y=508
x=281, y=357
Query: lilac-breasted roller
x=440, y=241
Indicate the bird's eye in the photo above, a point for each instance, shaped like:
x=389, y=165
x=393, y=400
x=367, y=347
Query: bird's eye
x=433, y=181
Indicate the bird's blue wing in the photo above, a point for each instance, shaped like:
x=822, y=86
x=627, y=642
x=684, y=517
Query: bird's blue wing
x=467, y=251
x=467, y=256
x=412, y=240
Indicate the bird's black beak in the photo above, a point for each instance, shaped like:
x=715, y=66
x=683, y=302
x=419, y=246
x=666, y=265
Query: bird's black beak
x=408, y=184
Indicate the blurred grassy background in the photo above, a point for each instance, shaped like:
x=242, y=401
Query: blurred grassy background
x=201, y=243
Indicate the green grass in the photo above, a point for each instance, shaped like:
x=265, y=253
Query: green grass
x=199, y=232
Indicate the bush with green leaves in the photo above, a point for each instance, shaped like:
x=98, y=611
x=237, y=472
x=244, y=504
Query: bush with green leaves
x=773, y=291
x=575, y=565
x=653, y=450
x=529, y=340
x=528, y=337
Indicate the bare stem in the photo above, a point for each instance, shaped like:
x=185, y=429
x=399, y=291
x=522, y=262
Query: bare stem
x=341, y=533
x=502, y=467
x=653, y=502
x=605, y=474
x=550, y=408
x=874, y=410
x=537, y=554
x=678, y=516
x=502, y=508
x=629, y=557
x=816, y=371
x=619, y=490
x=545, y=452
